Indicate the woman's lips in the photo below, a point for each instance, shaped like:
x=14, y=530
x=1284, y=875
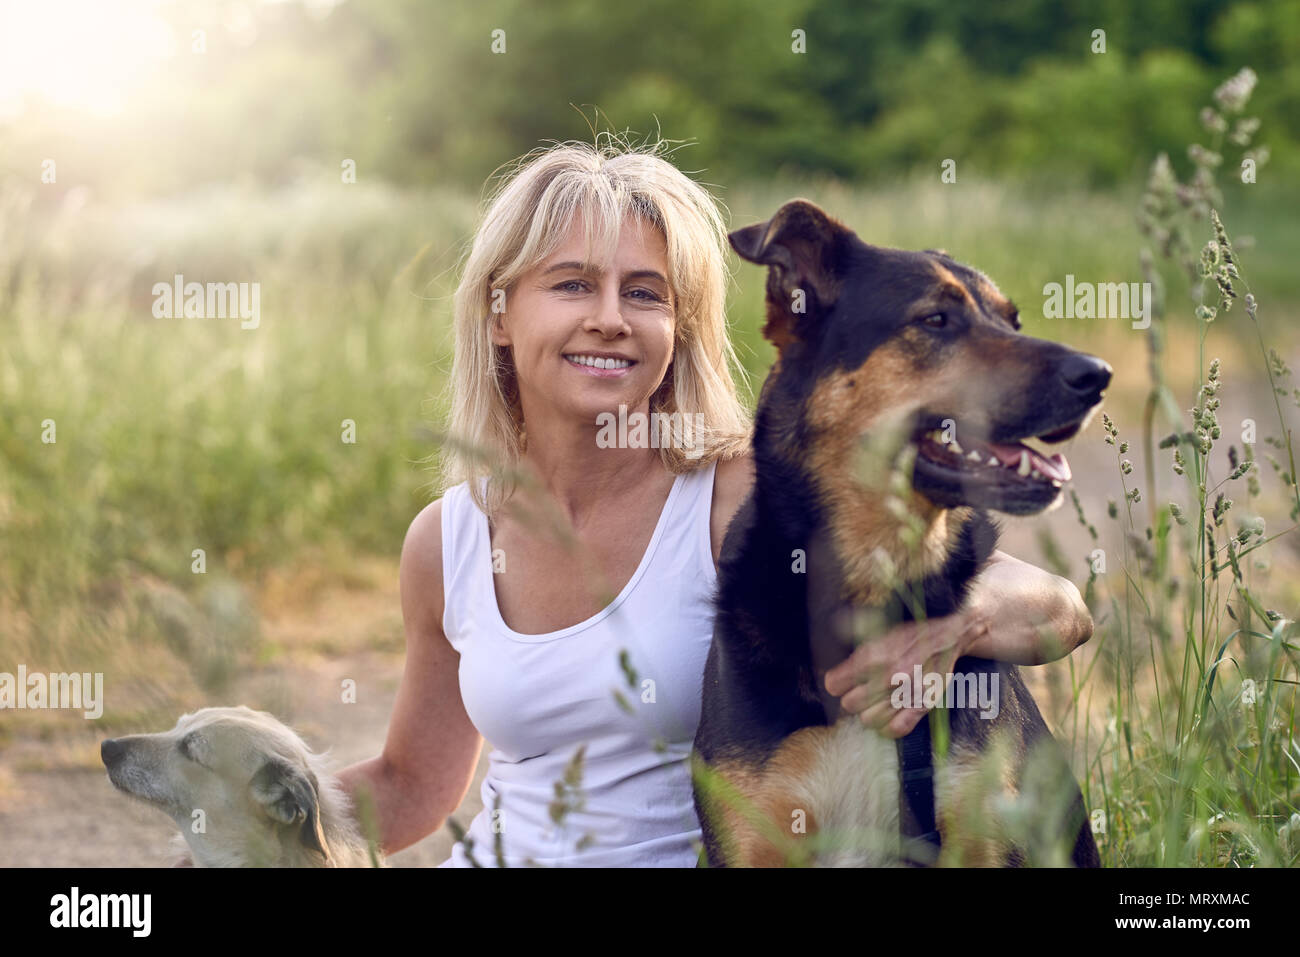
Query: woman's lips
x=600, y=373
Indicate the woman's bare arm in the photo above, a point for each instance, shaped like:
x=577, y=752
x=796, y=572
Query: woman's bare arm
x=1024, y=614
x=1015, y=612
x=432, y=749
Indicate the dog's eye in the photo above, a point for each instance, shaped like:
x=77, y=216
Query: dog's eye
x=935, y=321
x=187, y=745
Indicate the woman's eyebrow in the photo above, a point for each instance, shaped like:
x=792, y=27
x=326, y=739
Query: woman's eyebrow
x=634, y=274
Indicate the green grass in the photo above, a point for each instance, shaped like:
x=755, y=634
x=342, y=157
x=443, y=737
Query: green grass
x=183, y=434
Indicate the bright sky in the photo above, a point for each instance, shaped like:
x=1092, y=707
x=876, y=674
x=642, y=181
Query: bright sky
x=91, y=54
x=85, y=54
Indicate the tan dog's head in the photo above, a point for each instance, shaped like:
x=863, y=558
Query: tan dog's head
x=250, y=777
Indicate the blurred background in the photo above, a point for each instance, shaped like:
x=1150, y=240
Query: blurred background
x=337, y=152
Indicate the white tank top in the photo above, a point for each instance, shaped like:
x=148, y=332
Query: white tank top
x=538, y=698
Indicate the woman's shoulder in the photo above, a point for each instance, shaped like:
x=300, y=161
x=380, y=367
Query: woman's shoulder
x=732, y=480
x=735, y=474
x=420, y=571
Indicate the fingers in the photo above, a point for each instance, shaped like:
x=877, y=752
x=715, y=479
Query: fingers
x=904, y=721
x=878, y=658
x=891, y=722
x=865, y=682
x=877, y=716
x=874, y=666
x=874, y=692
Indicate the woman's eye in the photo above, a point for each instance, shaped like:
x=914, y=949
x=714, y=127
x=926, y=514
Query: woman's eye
x=936, y=321
x=569, y=286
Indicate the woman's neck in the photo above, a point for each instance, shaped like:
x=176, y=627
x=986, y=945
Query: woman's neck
x=585, y=479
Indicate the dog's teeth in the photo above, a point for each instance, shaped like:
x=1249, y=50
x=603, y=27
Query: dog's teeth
x=993, y=460
x=1036, y=474
x=1023, y=470
x=1055, y=484
x=974, y=456
x=955, y=447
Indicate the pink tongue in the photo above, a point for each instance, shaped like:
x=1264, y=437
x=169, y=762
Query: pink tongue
x=1056, y=467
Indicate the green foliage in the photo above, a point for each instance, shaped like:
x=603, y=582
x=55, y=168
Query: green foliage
x=413, y=91
x=1198, y=764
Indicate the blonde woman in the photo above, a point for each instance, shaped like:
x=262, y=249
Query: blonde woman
x=557, y=597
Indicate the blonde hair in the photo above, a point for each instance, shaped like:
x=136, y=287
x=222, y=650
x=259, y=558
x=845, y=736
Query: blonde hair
x=527, y=218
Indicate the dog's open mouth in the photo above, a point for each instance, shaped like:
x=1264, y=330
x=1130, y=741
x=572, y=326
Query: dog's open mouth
x=1010, y=475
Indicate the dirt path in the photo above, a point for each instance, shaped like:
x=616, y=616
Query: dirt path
x=60, y=810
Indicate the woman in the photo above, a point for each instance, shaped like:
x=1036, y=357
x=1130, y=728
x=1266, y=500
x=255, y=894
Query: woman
x=556, y=599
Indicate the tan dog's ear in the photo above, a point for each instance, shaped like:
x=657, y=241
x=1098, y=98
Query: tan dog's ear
x=290, y=795
x=801, y=245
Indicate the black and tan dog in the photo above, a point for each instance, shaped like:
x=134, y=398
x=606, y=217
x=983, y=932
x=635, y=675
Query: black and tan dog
x=913, y=360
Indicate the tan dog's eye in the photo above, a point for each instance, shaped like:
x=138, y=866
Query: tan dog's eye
x=936, y=321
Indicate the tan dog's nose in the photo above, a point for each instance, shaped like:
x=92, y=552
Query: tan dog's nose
x=110, y=751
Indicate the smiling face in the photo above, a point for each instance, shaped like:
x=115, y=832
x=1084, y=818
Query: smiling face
x=586, y=340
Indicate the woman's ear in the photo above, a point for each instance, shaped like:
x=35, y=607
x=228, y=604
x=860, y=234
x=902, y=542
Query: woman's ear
x=497, y=329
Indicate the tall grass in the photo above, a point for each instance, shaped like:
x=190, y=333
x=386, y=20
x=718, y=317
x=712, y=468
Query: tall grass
x=1192, y=670
x=183, y=434
x=173, y=435
x=1199, y=764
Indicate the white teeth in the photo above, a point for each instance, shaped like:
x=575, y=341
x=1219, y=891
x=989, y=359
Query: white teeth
x=974, y=456
x=598, y=362
x=1023, y=470
x=955, y=447
x=1055, y=484
x=993, y=460
x=1036, y=474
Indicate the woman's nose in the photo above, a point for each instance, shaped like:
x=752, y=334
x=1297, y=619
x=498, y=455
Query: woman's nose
x=607, y=317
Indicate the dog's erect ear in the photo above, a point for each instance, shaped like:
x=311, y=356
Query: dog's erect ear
x=290, y=795
x=801, y=244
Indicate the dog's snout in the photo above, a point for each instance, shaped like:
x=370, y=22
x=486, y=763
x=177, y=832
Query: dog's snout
x=111, y=750
x=1086, y=375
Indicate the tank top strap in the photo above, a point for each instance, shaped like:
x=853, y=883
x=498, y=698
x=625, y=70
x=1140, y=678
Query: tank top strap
x=682, y=553
x=466, y=549
x=687, y=539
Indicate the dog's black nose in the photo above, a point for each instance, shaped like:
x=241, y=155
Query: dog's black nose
x=1086, y=375
x=111, y=750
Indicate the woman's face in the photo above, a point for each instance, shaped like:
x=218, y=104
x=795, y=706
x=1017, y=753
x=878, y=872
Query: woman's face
x=585, y=343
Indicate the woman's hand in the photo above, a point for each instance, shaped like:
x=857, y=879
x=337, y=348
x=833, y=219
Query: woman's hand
x=1039, y=617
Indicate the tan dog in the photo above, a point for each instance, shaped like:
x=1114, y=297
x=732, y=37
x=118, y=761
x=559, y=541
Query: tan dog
x=244, y=790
